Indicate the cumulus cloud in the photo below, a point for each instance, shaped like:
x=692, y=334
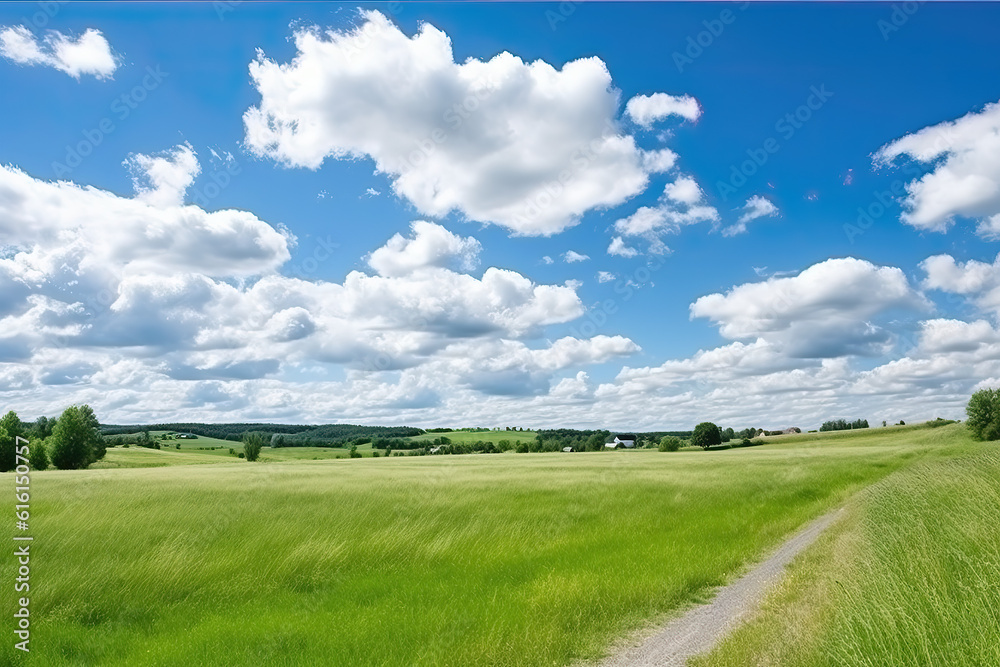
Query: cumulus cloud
x=965, y=176
x=644, y=110
x=824, y=311
x=618, y=247
x=88, y=54
x=605, y=276
x=430, y=245
x=162, y=180
x=57, y=224
x=681, y=204
x=523, y=145
x=977, y=280
x=571, y=256
x=755, y=207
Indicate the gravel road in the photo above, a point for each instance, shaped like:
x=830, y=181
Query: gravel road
x=699, y=629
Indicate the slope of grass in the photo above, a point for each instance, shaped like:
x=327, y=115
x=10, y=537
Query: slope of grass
x=468, y=437
x=909, y=577
x=461, y=560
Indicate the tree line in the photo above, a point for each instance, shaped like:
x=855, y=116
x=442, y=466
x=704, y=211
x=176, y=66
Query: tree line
x=70, y=442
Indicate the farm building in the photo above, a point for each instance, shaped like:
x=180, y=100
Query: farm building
x=626, y=440
x=187, y=436
x=567, y=449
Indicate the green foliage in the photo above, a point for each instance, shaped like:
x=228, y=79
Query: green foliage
x=705, y=435
x=670, y=443
x=277, y=440
x=38, y=457
x=75, y=439
x=843, y=425
x=435, y=542
x=11, y=428
x=252, y=444
x=984, y=414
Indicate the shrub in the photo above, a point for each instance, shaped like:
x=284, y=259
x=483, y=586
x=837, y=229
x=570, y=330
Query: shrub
x=670, y=443
x=984, y=414
x=354, y=453
x=705, y=435
x=178, y=445
x=252, y=444
x=241, y=455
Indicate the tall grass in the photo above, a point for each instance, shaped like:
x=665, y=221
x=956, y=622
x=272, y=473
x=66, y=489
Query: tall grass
x=463, y=560
x=910, y=577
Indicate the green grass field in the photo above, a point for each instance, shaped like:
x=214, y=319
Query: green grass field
x=468, y=437
x=909, y=577
x=506, y=559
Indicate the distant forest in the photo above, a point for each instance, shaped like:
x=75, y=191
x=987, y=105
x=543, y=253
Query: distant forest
x=326, y=435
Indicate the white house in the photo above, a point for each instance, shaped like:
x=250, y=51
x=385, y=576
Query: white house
x=626, y=440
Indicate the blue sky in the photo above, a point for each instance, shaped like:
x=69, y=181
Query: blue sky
x=232, y=174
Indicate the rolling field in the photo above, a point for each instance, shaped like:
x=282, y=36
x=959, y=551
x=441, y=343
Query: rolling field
x=468, y=437
x=909, y=577
x=504, y=559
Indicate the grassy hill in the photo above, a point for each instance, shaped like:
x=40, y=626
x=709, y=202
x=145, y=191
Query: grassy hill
x=526, y=559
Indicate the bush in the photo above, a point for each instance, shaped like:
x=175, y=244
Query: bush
x=241, y=455
x=670, y=443
x=178, y=445
x=984, y=414
x=705, y=435
x=252, y=444
x=354, y=453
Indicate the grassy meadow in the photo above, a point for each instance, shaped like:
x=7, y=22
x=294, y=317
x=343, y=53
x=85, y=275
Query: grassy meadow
x=910, y=576
x=469, y=437
x=504, y=559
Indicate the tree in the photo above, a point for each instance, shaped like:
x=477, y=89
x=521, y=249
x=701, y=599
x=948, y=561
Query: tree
x=705, y=435
x=670, y=443
x=252, y=443
x=277, y=440
x=37, y=456
x=74, y=439
x=728, y=434
x=11, y=428
x=984, y=414
x=100, y=447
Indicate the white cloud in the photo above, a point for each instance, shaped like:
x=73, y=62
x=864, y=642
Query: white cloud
x=430, y=246
x=522, y=145
x=618, y=247
x=88, y=54
x=755, y=207
x=965, y=178
x=547, y=260
x=680, y=205
x=571, y=256
x=162, y=180
x=55, y=225
x=824, y=311
x=372, y=192
x=605, y=276
x=978, y=280
x=646, y=109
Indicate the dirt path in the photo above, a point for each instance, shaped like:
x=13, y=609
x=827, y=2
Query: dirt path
x=699, y=629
